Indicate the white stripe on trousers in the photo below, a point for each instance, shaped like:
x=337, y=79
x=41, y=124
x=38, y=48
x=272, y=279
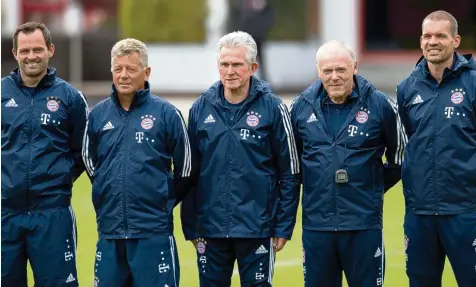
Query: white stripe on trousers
x=172, y=253
x=272, y=255
x=73, y=218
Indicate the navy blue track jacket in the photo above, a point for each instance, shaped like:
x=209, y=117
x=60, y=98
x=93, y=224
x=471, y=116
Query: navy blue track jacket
x=42, y=135
x=247, y=177
x=372, y=128
x=128, y=156
x=439, y=169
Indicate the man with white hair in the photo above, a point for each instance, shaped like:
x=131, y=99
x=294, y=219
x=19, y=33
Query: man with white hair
x=246, y=182
x=131, y=140
x=343, y=126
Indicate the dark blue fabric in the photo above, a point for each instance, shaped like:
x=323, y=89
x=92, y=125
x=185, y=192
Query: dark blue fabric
x=359, y=254
x=42, y=135
x=246, y=173
x=30, y=91
x=230, y=109
x=128, y=156
x=430, y=239
x=336, y=114
x=216, y=259
x=438, y=173
x=364, y=134
x=47, y=239
x=145, y=262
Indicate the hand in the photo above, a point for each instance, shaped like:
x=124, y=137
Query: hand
x=278, y=243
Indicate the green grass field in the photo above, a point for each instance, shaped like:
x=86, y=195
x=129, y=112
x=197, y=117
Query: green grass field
x=288, y=270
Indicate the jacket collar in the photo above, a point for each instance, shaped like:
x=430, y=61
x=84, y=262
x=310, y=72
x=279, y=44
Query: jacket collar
x=139, y=97
x=362, y=89
x=257, y=89
x=46, y=81
x=460, y=62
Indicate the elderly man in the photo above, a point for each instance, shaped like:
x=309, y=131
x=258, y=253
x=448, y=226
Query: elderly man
x=343, y=126
x=132, y=138
x=246, y=192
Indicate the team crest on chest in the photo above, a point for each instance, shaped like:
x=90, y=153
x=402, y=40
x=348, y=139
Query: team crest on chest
x=252, y=118
x=362, y=115
x=147, y=122
x=52, y=103
x=457, y=96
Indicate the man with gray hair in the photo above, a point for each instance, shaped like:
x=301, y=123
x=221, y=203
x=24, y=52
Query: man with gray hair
x=245, y=196
x=131, y=140
x=343, y=126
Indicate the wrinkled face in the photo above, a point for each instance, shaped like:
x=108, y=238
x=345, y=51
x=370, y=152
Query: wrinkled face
x=235, y=71
x=436, y=41
x=336, y=73
x=128, y=74
x=32, y=54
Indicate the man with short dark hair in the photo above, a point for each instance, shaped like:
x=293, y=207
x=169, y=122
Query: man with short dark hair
x=43, y=121
x=437, y=105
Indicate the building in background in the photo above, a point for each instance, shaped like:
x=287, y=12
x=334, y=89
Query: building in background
x=182, y=34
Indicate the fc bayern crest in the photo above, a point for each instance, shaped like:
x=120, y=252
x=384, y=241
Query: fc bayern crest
x=147, y=122
x=253, y=118
x=52, y=104
x=457, y=96
x=362, y=117
x=201, y=247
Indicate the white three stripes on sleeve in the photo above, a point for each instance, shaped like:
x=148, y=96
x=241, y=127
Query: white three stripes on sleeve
x=290, y=137
x=401, y=135
x=187, y=162
x=88, y=162
x=85, y=103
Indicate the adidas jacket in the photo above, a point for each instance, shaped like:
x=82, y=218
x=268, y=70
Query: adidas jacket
x=128, y=156
x=247, y=169
x=41, y=142
x=439, y=170
x=371, y=130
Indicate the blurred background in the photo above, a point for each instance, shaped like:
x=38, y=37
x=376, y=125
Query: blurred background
x=181, y=36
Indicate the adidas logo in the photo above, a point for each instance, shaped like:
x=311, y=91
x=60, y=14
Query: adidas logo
x=312, y=118
x=417, y=100
x=70, y=278
x=378, y=252
x=209, y=119
x=108, y=126
x=11, y=103
x=474, y=242
x=261, y=250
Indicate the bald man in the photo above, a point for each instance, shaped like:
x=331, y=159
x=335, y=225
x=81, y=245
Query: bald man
x=343, y=126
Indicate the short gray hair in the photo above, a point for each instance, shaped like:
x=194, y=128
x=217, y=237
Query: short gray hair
x=239, y=39
x=130, y=46
x=333, y=47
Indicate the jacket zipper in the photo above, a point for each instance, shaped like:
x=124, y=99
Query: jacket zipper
x=435, y=131
x=227, y=203
x=30, y=135
x=334, y=195
x=124, y=188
